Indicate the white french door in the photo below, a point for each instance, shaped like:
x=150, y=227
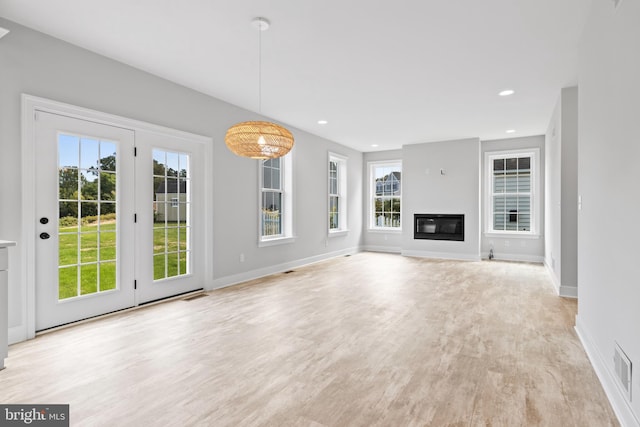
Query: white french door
x=169, y=206
x=120, y=218
x=85, y=210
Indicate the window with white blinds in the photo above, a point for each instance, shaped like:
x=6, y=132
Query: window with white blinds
x=511, y=188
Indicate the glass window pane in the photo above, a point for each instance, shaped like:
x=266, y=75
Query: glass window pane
x=498, y=165
x=275, y=178
x=498, y=184
x=511, y=183
x=184, y=166
x=173, y=166
x=88, y=279
x=395, y=220
x=67, y=282
x=88, y=247
x=107, y=186
x=511, y=164
x=173, y=262
x=89, y=184
x=108, y=210
x=159, y=161
x=89, y=149
x=524, y=163
x=68, y=183
x=172, y=239
x=107, y=245
x=88, y=209
x=107, y=276
x=159, y=235
x=266, y=178
x=67, y=249
x=524, y=183
x=183, y=234
x=68, y=151
x=68, y=215
x=107, y=156
x=184, y=265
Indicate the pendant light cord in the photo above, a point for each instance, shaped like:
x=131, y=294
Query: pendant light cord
x=260, y=69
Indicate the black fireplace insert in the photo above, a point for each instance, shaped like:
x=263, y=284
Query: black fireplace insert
x=438, y=227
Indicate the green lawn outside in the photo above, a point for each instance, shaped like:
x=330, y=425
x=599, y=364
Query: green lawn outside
x=168, y=251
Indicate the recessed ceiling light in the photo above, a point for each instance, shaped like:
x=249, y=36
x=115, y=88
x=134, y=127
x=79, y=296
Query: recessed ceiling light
x=511, y=131
x=322, y=122
x=507, y=92
x=374, y=145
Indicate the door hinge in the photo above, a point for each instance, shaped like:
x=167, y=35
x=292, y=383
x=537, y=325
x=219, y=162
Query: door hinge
x=135, y=284
x=135, y=217
x=135, y=151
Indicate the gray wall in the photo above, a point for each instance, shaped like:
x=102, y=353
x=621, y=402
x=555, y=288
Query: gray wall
x=561, y=234
x=608, y=254
x=515, y=248
x=40, y=65
x=426, y=190
x=379, y=241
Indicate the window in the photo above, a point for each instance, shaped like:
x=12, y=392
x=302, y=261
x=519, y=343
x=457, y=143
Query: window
x=275, y=199
x=337, y=193
x=171, y=214
x=511, y=190
x=385, y=179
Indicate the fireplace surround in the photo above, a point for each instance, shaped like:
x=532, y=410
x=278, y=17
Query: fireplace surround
x=438, y=227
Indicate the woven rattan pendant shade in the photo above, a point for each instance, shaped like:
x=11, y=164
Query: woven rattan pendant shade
x=259, y=140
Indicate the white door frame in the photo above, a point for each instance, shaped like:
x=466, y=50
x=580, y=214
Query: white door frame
x=32, y=104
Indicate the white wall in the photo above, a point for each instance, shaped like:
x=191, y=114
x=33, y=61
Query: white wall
x=457, y=191
x=40, y=65
x=561, y=233
x=373, y=240
x=608, y=180
x=514, y=248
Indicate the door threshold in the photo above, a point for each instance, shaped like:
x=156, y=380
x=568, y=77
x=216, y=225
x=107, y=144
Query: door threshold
x=124, y=310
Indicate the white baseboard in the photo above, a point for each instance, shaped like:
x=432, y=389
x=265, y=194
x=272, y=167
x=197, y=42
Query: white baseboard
x=619, y=403
x=568, y=291
x=441, y=255
x=17, y=334
x=515, y=257
x=234, y=279
x=563, y=291
x=388, y=249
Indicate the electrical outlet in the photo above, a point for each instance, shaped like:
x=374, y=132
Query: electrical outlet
x=507, y=243
x=241, y=257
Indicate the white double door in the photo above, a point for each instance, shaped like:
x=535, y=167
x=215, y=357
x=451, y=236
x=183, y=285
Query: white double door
x=119, y=215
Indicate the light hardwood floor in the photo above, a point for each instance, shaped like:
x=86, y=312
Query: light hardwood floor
x=372, y=339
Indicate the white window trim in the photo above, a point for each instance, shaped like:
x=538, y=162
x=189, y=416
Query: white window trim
x=372, y=191
x=342, y=194
x=287, y=235
x=536, y=203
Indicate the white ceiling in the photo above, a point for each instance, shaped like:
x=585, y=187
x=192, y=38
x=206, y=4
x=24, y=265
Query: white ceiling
x=381, y=72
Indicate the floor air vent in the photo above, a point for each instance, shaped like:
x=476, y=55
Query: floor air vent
x=623, y=370
x=288, y=271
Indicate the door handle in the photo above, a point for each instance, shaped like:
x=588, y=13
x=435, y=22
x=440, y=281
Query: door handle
x=44, y=220
x=44, y=236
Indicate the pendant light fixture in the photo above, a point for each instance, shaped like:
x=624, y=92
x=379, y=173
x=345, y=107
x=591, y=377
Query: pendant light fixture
x=259, y=139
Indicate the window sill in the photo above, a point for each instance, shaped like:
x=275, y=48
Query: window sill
x=276, y=241
x=336, y=233
x=385, y=230
x=512, y=235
